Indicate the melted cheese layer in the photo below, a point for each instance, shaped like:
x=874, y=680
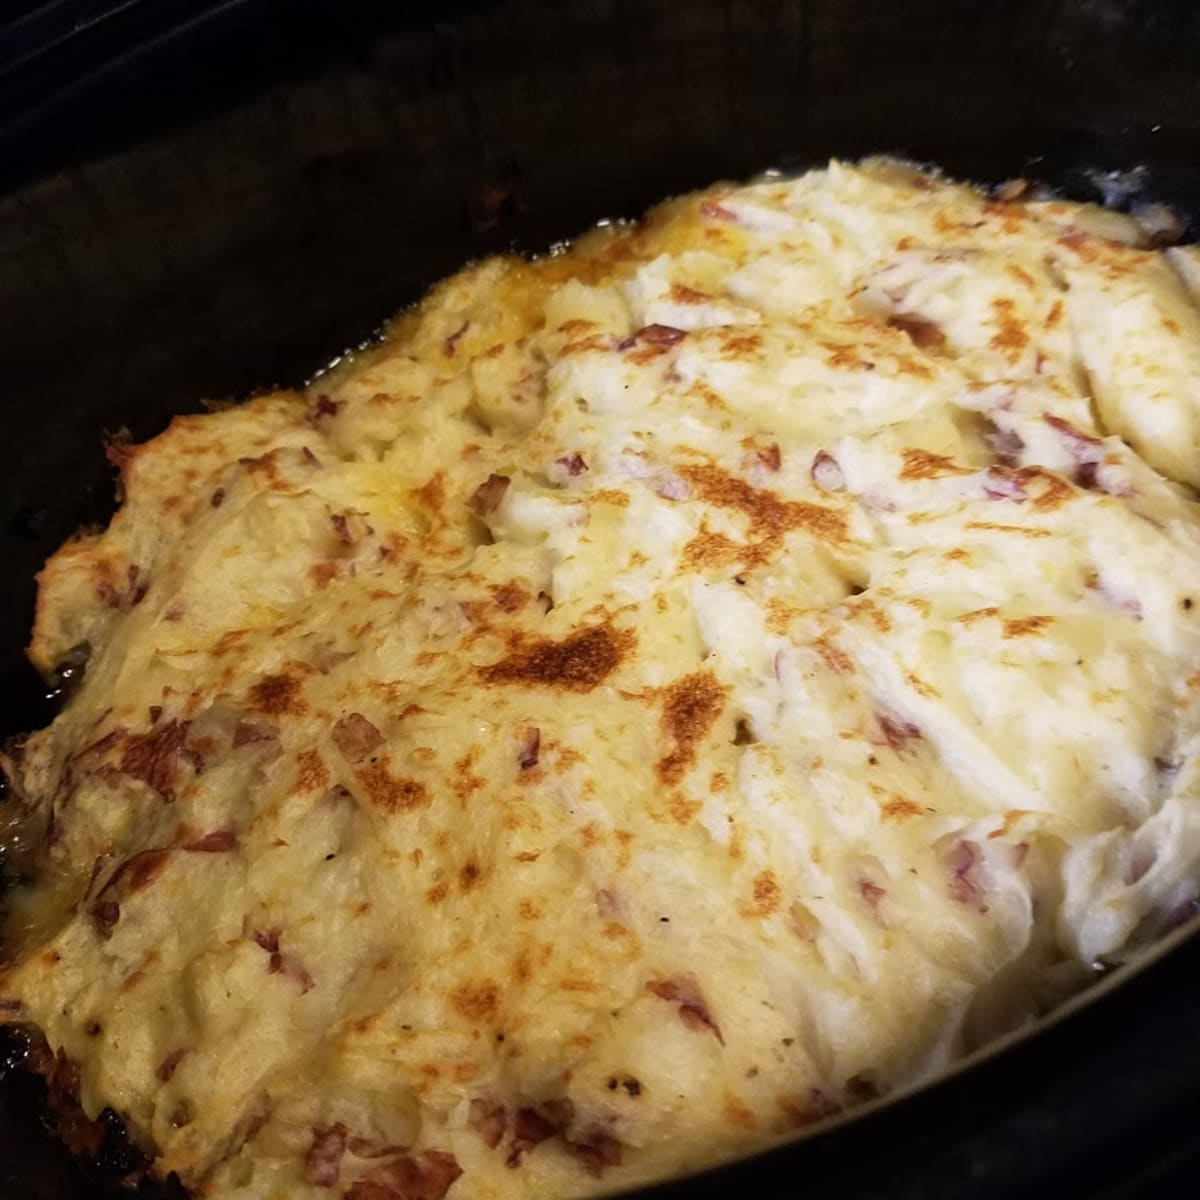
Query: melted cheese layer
x=658, y=696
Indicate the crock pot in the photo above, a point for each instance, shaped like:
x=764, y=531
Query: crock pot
x=200, y=200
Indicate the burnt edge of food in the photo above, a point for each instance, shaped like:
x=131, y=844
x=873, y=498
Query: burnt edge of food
x=101, y=1149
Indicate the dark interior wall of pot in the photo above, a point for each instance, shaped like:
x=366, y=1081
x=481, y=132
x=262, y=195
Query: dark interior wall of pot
x=255, y=186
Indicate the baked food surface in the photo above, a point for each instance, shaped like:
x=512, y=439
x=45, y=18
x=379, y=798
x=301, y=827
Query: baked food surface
x=660, y=695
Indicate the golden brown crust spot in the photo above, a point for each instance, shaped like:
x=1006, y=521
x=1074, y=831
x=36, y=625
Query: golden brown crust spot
x=311, y=772
x=579, y=663
x=1016, y=627
x=278, y=695
x=924, y=464
x=387, y=792
x=477, y=1001
x=898, y=808
x=766, y=893
x=691, y=706
x=769, y=516
x=1010, y=337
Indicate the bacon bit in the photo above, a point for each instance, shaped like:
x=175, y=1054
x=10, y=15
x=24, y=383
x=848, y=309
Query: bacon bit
x=653, y=335
x=424, y=1176
x=897, y=733
x=693, y=1011
x=490, y=1121
x=573, y=464
x=608, y=905
x=718, y=212
x=598, y=1153
x=323, y=1162
x=217, y=498
x=216, y=842
x=356, y=737
x=1119, y=600
x=309, y=457
x=826, y=473
x=155, y=711
x=532, y=1126
x=450, y=345
x=166, y=1068
x=925, y=335
x=487, y=496
x=998, y=484
x=531, y=741
x=807, y=1109
x=154, y=758
x=963, y=860
x=325, y=407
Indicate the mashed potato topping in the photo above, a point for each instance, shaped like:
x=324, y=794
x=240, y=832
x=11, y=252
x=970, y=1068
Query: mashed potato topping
x=659, y=696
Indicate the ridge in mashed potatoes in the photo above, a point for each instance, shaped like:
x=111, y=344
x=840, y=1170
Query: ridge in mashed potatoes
x=657, y=697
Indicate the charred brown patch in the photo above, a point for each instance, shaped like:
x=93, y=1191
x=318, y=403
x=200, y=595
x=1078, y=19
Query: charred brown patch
x=388, y=792
x=691, y=706
x=278, y=695
x=1024, y=626
x=579, y=663
x=477, y=1001
x=1010, y=337
x=770, y=517
x=923, y=464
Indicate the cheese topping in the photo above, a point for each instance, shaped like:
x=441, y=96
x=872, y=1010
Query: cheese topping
x=660, y=695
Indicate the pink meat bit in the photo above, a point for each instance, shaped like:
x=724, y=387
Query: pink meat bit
x=999, y=484
x=530, y=748
x=693, y=1010
x=532, y=1126
x=450, y=345
x=487, y=496
x=1005, y=444
x=424, y=1176
x=608, y=905
x=597, y=1152
x=826, y=473
x=323, y=1163
x=872, y=893
x=1122, y=601
x=573, y=464
x=490, y=1121
x=716, y=212
x=896, y=732
x=217, y=842
x=966, y=885
x=356, y=737
x=653, y=335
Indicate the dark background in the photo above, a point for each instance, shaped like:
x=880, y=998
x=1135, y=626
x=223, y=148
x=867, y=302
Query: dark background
x=198, y=200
